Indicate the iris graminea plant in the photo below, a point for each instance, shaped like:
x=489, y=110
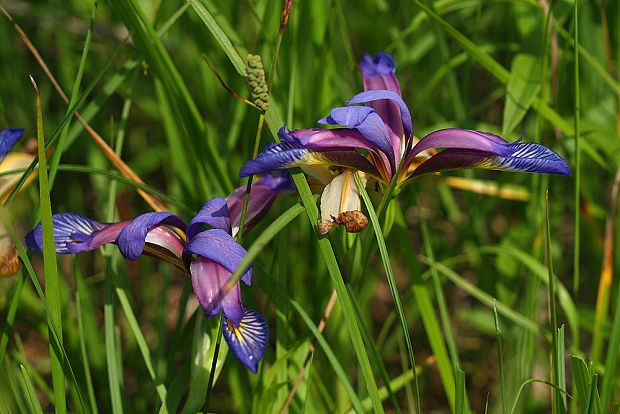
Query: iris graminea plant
x=383, y=129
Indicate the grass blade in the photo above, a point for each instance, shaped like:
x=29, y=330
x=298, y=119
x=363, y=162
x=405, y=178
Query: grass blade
x=385, y=258
x=52, y=280
x=32, y=394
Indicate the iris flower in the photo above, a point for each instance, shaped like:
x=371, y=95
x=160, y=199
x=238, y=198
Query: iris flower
x=377, y=140
x=210, y=256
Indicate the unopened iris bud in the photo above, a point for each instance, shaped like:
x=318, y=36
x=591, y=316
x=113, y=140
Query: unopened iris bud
x=259, y=92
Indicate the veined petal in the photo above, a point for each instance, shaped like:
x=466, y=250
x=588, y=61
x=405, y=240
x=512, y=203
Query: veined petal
x=292, y=154
x=215, y=213
x=394, y=112
x=8, y=138
x=219, y=246
x=132, y=238
x=524, y=157
x=74, y=233
x=209, y=281
x=368, y=123
x=248, y=340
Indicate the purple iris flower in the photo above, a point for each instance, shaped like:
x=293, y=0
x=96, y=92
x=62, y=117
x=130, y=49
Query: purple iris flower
x=384, y=131
x=210, y=256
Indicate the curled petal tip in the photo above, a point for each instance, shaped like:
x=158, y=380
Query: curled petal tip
x=248, y=341
x=382, y=64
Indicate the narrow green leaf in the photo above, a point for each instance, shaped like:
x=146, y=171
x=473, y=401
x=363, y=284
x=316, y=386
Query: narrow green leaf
x=219, y=35
x=581, y=378
x=427, y=311
x=123, y=298
x=385, y=258
x=32, y=394
x=461, y=392
x=500, y=357
x=522, y=87
x=52, y=280
x=329, y=353
x=89, y=382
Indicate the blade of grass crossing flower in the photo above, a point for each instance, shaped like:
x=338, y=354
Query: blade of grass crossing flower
x=55, y=159
x=52, y=279
x=425, y=305
x=374, y=352
x=261, y=241
x=32, y=394
x=500, y=358
x=611, y=360
x=390, y=279
x=10, y=316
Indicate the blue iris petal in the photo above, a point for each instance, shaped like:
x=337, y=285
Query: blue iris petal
x=248, y=341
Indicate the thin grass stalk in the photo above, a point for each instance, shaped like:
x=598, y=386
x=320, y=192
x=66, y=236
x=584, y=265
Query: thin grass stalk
x=214, y=364
x=555, y=377
x=500, y=358
x=427, y=312
x=246, y=199
x=390, y=279
x=32, y=394
x=52, y=279
x=84, y=355
x=55, y=159
x=577, y=168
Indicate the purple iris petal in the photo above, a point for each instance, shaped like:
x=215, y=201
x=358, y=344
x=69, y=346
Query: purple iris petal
x=215, y=213
x=74, y=233
x=248, y=340
x=209, y=281
x=8, y=138
x=292, y=154
x=219, y=246
x=368, y=123
x=389, y=118
x=132, y=238
x=461, y=139
x=524, y=157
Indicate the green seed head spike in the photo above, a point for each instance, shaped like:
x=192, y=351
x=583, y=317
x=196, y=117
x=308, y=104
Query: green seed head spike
x=259, y=92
